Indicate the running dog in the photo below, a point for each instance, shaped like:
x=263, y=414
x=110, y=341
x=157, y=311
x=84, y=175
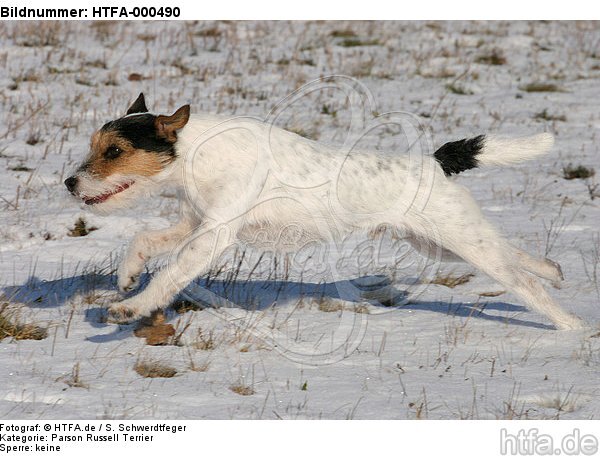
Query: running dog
x=237, y=175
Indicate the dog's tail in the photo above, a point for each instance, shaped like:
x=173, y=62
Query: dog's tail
x=458, y=156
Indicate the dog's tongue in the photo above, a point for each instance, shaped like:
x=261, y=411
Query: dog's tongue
x=105, y=196
x=98, y=199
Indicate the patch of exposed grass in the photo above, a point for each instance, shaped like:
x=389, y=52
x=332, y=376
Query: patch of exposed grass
x=330, y=305
x=345, y=33
x=452, y=281
x=202, y=367
x=61, y=70
x=458, y=90
x=334, y=305
x=284, y=61
x=306, y=61
x=434, y=26
x=33, y=139
x=84, y=82
x=103, y=30
x=204, y=341
x=80, y=228
x=40, y=34
x=154, y=369
x=436, y=73
x=97, y=64
x=211, y=32
x=301, y=132
x=135, y=77
x=242, y=390
x=177, y=63
x=493, y=58
x=146, y=37
x=182, y=306
x=385, y=295
x=360, y=309
x=541, y=87
x=327, y=110
x=29, y=76
x=10, y=327
x=74, y=380
x=356, y=42
x=578, y=172
x=593, y=191
x=111, y=80
x=212, y=37
x=544, y=115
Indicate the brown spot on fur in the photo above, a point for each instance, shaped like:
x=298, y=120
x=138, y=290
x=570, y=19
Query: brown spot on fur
x=381, y=229
x=131, y=161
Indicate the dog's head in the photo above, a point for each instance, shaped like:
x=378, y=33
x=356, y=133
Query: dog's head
x=127, y=156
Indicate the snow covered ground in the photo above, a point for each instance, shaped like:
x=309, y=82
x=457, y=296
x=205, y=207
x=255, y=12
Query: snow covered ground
x=293, y=346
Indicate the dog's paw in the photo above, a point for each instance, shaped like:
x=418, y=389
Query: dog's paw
x=129, y=273
x=124, y=312
x=131, y=309
x=572, y=322
x=128, y=283
x=121, y=314
x=558, y=276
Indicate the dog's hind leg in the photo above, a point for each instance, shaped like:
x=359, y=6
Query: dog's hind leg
x=486, y=251
x=431, y=249
x=425, y=246
x=546, y=268
x=463, y=230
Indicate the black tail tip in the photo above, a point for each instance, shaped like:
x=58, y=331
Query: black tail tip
x=458, y=156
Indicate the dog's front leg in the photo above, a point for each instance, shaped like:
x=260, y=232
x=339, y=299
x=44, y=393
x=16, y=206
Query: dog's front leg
x=192, y=259
x=145, y=246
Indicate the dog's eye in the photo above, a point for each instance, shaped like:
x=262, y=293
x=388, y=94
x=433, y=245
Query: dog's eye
x=112, y=152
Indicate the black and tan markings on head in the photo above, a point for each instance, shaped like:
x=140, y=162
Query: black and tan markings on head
x=139, y=143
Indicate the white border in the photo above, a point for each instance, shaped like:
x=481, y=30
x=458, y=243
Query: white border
x=304, y=438
x=352, y=10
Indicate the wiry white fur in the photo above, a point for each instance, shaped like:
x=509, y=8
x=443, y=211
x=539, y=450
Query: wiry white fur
x=507, y=151
x=234, y=175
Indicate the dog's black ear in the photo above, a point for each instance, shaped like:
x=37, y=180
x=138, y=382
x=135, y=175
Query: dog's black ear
x=167, y=126
x=139, y=105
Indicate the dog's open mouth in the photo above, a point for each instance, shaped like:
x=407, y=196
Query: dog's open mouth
x=101, y=198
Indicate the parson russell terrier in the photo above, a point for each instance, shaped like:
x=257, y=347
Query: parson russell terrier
x=239, y=174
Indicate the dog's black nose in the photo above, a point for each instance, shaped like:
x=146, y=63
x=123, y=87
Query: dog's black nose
x=70, y=183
